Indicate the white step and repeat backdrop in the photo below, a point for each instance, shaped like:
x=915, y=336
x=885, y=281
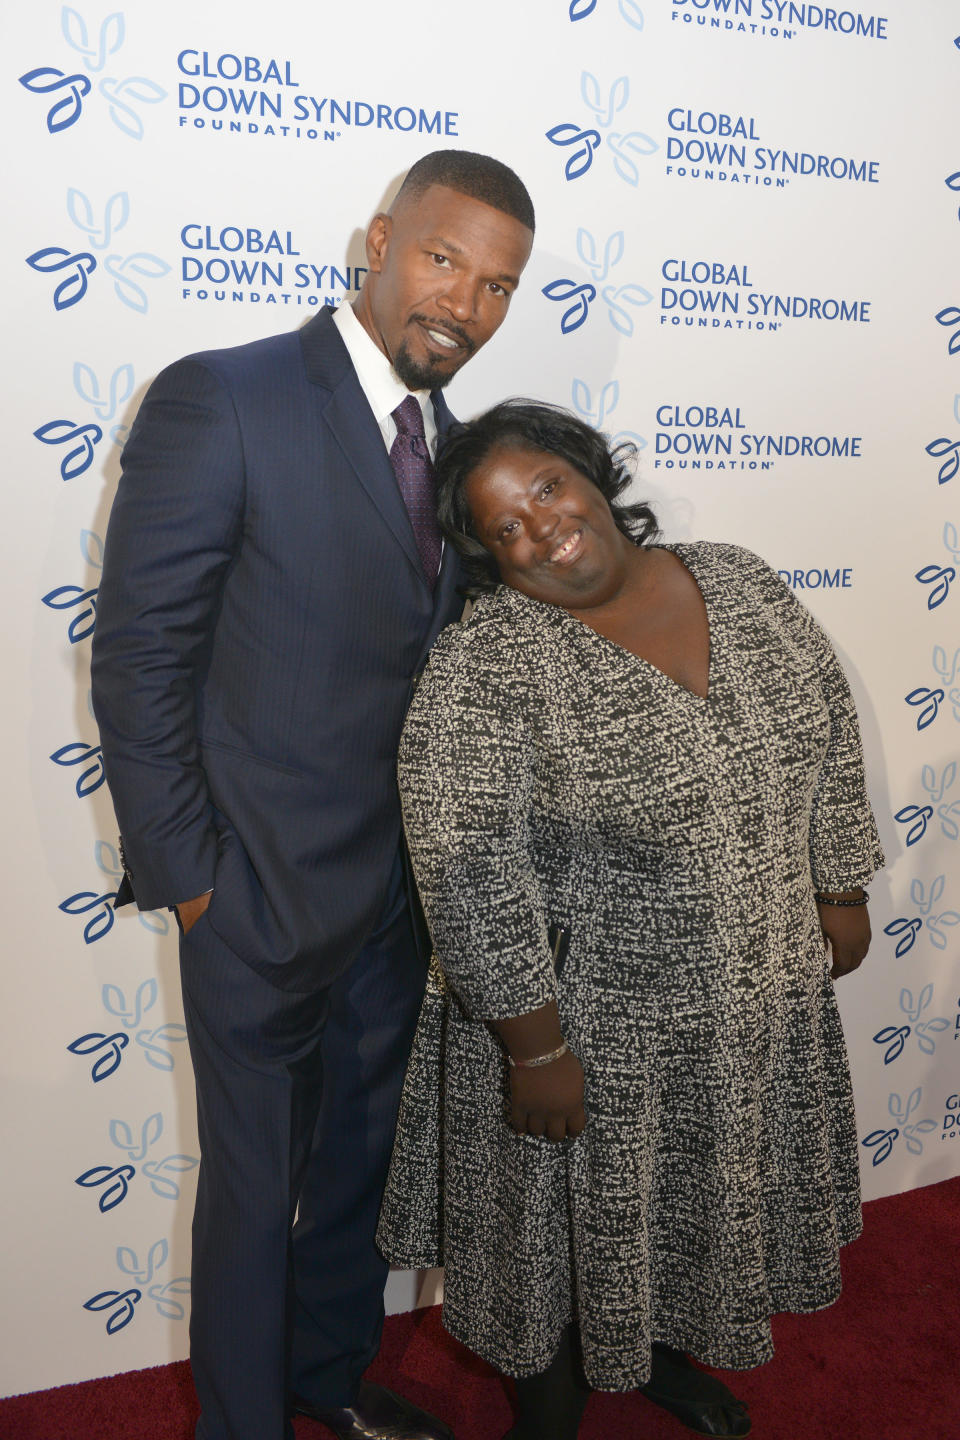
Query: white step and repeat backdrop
x=745, y=261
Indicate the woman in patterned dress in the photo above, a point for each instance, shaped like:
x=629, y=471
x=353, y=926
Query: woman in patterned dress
x=643, y=761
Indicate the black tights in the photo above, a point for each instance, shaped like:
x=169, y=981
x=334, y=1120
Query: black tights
x=550, y=1405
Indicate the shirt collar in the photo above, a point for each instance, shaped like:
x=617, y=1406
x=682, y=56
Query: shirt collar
x=378, y=379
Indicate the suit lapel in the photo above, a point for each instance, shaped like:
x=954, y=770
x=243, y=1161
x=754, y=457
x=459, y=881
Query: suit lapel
x=451, y=574
x=354, y=427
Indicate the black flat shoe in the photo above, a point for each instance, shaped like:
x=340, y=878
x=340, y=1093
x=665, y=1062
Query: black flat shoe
x=698, y=1400
x=378, y=1414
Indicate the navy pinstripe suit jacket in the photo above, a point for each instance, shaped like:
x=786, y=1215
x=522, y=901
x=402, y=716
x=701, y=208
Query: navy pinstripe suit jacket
x=261, y=615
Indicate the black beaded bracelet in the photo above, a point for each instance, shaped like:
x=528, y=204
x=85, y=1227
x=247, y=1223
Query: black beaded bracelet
x=825, y=900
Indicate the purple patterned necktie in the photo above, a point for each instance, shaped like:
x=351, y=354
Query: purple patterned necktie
x=413, y=468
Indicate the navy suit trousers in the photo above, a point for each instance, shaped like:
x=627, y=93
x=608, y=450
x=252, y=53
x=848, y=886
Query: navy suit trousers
x=297, y=1099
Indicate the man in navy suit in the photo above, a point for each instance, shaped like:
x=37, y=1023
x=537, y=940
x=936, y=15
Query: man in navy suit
x=267, y=598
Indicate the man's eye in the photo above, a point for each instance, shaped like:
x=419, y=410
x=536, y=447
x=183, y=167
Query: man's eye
x=497, y=289
x=508, y=531
x=440, y=259
x=548, y=489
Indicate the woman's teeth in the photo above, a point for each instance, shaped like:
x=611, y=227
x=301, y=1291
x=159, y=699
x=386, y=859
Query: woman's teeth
x=563, y=550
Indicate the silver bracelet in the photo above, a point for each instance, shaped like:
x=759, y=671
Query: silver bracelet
x=539, y=1059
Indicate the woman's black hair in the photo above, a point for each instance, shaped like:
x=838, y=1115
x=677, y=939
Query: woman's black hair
x=531, y=425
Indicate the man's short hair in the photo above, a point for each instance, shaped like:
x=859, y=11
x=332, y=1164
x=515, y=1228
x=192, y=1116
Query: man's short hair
x=479, y=176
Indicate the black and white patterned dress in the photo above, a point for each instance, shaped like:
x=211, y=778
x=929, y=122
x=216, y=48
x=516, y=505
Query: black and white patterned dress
x=550, y=776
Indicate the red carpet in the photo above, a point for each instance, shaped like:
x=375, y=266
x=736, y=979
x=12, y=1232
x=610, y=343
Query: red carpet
x=881, y=1364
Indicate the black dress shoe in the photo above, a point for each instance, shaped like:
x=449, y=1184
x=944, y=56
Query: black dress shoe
x=377, y=1414
x=698, y=1400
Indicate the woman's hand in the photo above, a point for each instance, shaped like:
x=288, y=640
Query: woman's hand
x=847, y=928
x=547, y=1100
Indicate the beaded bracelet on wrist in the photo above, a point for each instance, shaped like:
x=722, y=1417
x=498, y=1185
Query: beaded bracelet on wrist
x=826, y=900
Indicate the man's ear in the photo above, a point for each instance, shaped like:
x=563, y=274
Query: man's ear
x=378, y=239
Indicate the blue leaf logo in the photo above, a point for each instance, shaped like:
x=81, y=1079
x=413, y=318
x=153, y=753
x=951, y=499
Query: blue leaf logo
x=947, y=448
x=109, y=40
x=946, y=671
x=128, y=291
x=68, y=109
x=160, y=1295
x=82, y=903
x=150, y=1131
x=119, y=390
x=155, y=1043
x=78, y=753
x=118, y=94
x=115, y=1002
x=617, y=299
x=580, y=161
x=117, y=1181
x=606, y=401
x=61, y=432
x=51, y=260
x=916, y=817
x=882, y=1143
x=625, y=147
x=580, y=295
x=604, y=109
x=95, y=1041
x=949, y=317
x=612, y=253
x=154, y=921
x=159, y=1172
x=929, y=700
x=907, y=930
x=940, y=577
x=116, y=213
x=119, y=1303
x=65, y=597
x=632, y=13
x=894, y=1037
x=129, y=1264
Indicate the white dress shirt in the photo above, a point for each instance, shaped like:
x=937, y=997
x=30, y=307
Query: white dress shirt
x=379, y=381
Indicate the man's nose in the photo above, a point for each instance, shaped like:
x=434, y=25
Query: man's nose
x=459, y=298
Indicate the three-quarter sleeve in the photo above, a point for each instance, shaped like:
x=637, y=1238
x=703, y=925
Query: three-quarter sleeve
x=845, y=848
x=465, y=769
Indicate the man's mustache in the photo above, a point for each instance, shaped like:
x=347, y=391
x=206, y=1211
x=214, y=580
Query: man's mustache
x=446, y=328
